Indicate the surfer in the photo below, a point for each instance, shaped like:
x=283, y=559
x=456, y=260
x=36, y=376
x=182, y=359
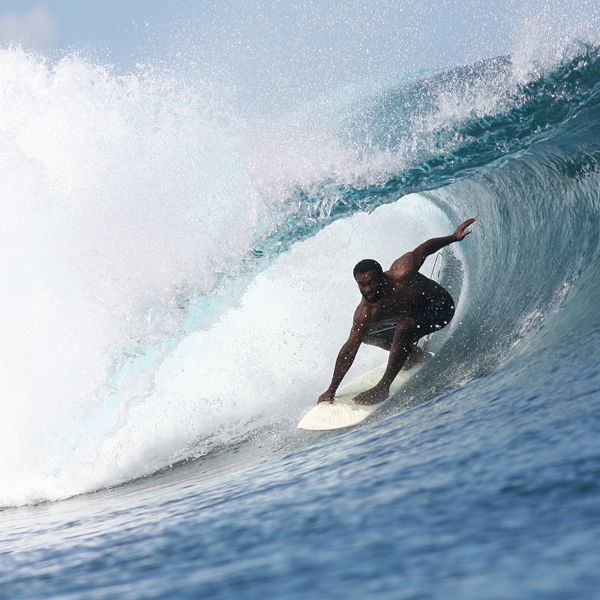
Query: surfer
x=398, y=307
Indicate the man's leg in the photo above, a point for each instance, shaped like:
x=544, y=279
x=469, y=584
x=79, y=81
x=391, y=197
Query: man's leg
x=378, y=342
x=402, y=346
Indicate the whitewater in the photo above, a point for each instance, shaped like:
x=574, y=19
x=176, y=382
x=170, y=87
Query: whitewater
x=176, y=283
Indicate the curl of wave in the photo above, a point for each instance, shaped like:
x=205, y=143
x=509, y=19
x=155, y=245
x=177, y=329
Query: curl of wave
x=171, y=292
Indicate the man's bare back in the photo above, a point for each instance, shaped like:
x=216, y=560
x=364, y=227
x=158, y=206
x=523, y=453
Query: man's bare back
x=398, y=307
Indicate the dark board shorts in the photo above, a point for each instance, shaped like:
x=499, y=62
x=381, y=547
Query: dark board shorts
x=429, y=319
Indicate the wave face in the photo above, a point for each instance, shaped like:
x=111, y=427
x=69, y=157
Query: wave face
x=178, y=283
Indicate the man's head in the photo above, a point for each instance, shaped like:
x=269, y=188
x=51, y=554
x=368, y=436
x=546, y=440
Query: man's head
x=370, y=279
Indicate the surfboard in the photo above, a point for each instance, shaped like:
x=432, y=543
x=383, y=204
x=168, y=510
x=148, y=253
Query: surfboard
x=344, y=412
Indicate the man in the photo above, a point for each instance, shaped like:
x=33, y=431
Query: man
x=398, y=307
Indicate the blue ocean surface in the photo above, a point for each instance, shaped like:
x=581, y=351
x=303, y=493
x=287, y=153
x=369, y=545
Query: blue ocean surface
x=200, y=325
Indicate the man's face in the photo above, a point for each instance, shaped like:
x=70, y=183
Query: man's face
x=371, y=285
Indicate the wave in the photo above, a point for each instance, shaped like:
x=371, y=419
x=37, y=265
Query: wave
x=178, y=282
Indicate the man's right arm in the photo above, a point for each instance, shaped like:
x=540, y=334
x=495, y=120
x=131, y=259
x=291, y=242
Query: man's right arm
x=345, y=359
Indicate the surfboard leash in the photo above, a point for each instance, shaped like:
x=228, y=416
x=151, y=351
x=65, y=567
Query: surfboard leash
x=437, y=256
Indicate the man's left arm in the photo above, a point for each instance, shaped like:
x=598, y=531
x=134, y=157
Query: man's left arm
x=413, y=261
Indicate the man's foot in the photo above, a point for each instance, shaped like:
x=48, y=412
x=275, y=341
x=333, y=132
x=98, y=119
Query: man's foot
x=373, y=396
x=416, y=356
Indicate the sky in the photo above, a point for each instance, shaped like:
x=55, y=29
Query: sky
x=340, y=40
x=276, y=45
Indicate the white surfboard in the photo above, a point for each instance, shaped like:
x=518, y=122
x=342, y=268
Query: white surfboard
x=344, y=412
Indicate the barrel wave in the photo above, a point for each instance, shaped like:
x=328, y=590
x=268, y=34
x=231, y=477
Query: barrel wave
x=177, y=282
x=175, y=309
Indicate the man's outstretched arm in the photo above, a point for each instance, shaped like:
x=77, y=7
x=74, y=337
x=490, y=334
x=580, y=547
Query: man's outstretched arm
x=413, y=261
x=344, y=361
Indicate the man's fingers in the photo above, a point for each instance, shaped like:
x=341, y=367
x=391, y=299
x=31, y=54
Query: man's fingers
x=462, y=228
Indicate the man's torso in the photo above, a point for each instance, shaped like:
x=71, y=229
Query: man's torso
x=407, y=296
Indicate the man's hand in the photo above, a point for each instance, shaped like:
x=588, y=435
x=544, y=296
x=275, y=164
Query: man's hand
x=460, y=234
x=326, y=397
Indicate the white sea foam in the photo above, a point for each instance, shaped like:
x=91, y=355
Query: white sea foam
x=119, y=196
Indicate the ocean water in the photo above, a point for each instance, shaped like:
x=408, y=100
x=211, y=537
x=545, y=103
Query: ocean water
x=176, y=286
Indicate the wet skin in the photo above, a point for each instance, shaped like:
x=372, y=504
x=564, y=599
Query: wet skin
x=397, y=293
